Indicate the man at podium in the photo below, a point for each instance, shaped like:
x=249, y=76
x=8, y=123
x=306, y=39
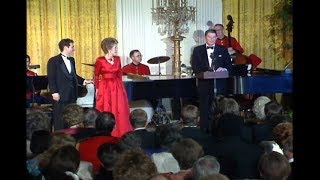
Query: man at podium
x=209, y=57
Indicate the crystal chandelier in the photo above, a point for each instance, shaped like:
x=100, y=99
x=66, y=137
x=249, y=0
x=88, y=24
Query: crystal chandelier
x=172, y=16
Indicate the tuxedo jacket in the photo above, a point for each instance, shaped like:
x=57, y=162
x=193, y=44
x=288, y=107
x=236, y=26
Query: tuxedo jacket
x=61, y=81
x=200, y=63
x=221, y=58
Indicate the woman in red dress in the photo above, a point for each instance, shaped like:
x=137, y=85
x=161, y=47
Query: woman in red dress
x=111, y=96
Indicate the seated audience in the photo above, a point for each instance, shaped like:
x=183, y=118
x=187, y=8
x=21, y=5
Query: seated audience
x=88, y=148
x=108, y=155
x=274, y=165
x=205, y=166
x=73, y=117
x=138, y=119
x=187, y=152
x=190, y=117
x=63, y=164
x=134, y=164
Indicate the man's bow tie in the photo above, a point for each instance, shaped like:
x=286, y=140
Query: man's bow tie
x=209, y=47
x=68, y=57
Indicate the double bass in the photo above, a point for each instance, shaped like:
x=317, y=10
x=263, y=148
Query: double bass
x=237, y=58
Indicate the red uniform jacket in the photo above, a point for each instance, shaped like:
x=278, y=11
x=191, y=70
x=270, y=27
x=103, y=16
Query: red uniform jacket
x=234, y=43
x=139, y=69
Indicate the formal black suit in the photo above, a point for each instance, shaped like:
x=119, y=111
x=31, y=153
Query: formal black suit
x=200, y=64
x=62, y=82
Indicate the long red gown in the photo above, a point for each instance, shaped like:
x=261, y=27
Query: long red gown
x=112, y=96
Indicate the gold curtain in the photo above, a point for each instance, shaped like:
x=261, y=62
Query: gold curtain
x=87, y=22
x=252, y=30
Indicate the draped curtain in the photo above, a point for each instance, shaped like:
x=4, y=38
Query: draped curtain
x=252, y=29
x=87, y=22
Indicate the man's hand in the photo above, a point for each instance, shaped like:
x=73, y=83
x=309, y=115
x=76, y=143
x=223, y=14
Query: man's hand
x=231, y=50
x=87, y=81
x=221, y=69
x=56, y=96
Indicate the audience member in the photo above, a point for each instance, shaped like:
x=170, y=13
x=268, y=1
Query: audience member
x=108, y=155
x=274, y=165
x=36, y=120
x=139, y=121
x=63, y=164
x=205, y=166
x=134, y=164
x=186, y=152
x=88, y=148
x=190, y=117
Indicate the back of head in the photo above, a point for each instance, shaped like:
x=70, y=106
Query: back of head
x=205, y=166
x=228, y=105
x=90, y=116
x=259, y=105
x=167, y=135
x=130, y=140
x=108, y=155
x=138, y=118
x=282, y=132
x=272, y=108
x=274, y=165
x=72, y=114
x=37, y=120
x=57, y=140
x=190, y=115
x=186, y=152
x=105, y=122
x=64, y=159
x=134, y=164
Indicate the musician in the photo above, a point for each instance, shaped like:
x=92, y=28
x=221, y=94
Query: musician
x=33, y=96
x=201, y=62
x=224, y=40
x=136, y=67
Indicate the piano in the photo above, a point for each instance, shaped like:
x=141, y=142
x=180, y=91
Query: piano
x=167, y=86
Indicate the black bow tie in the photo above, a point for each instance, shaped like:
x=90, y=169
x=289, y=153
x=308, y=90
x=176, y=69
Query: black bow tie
x=66, y=56
x=209, y=47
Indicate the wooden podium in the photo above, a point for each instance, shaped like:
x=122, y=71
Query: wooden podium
x=213, y=75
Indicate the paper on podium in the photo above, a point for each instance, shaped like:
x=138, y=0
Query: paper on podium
x=88, y=100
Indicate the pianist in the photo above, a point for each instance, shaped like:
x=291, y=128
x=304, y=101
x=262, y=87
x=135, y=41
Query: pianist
x=33, y=95
x=209, y=57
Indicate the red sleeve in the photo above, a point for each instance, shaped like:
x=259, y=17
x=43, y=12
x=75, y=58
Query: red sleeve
x=236, y=45
x=97, y=72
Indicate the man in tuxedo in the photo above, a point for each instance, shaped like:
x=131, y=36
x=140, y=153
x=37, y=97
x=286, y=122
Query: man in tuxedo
x=209, y=57
x=63, y=80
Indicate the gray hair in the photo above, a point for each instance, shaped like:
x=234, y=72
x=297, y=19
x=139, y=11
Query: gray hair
x=205, y=166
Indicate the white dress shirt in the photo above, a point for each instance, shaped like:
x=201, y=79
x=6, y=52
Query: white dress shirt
x=66, y=62
x=209, y=52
